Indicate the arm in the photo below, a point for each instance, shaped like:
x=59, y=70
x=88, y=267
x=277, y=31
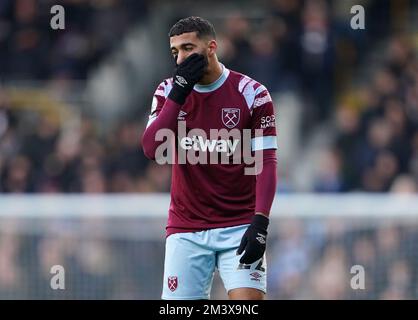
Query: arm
x=167, y=118
x=266, y=183
x=186, y=75
x=254, y=240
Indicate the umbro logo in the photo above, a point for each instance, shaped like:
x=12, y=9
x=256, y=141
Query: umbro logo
x=255, y=276
x=261, y=238
x=181, y=81
x=181, y=115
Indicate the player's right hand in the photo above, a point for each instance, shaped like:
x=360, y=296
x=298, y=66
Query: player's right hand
x=186, y=75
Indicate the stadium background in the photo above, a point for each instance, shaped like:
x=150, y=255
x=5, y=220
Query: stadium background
x=74, y=102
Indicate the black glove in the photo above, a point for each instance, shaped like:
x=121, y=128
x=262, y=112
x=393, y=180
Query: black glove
x=186, y=75
x=254, y=240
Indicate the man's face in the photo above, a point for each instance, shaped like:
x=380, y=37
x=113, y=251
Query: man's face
x=186, y=44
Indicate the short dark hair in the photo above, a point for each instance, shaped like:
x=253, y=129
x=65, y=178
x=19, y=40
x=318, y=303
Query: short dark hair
x=201, y=26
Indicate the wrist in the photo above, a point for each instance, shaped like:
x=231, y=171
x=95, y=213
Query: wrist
x=178, y=96
x=261, y=221
x=262, y=213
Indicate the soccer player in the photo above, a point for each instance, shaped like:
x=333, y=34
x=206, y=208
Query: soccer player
x=218, y=216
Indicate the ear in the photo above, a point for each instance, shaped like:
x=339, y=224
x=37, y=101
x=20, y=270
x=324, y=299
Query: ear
x=212, y=47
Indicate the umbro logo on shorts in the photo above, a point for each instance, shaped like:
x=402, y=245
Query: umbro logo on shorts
x=255, y=276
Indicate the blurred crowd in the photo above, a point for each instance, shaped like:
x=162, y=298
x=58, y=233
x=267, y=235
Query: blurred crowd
x=42, y=158
x=376, y=141
x=297, y=45
x=292, y=48
x=307, y=259
x=314, y=260
x=29, y=49
x=304, y=46
x=95, y=266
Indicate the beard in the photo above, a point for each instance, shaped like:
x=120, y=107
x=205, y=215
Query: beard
x=206, y=69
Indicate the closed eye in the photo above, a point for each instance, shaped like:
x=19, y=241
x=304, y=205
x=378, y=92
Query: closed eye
x=188, y=47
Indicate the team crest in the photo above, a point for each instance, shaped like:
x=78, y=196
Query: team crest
x=230, y=117
x=172, y=283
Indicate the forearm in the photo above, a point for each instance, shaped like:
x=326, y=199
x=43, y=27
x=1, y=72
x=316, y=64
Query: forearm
x=266, y=183
x=187, y=74
x=253, y=241
x=167, y=119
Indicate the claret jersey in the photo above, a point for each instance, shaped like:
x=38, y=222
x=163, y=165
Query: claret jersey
x=215, y=195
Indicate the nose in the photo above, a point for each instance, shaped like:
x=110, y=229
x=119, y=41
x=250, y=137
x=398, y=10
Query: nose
x=181, y=57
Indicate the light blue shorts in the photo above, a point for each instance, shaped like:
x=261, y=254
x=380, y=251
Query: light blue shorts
x=191, y=259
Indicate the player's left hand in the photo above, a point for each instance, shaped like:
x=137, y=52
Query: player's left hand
x=254, y=240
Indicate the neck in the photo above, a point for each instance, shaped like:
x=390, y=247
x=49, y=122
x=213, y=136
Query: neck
x=213, y=74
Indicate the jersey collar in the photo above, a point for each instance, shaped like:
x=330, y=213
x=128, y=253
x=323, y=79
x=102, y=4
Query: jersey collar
x=214, y=85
